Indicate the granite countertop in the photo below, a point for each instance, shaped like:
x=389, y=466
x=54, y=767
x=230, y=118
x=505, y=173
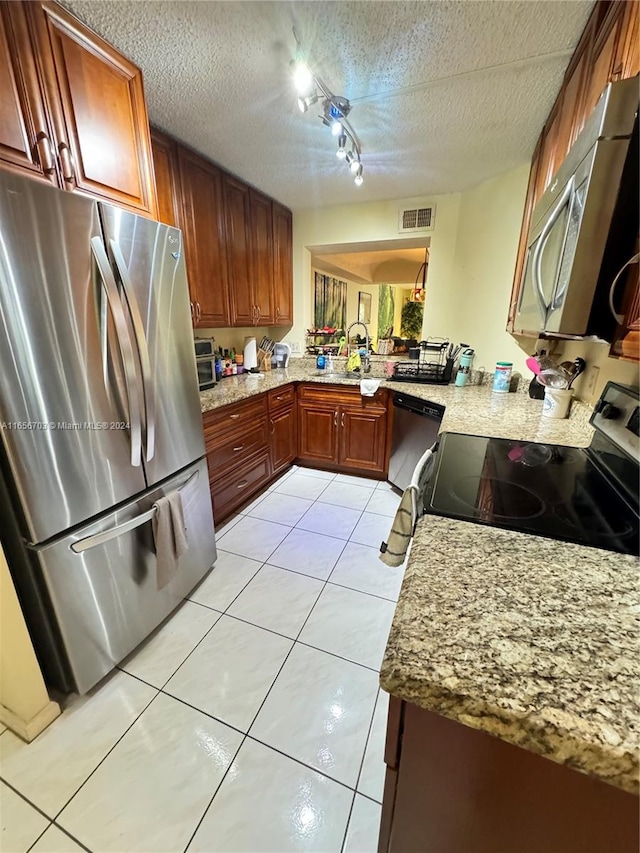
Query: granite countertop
x=473, y=409
x=530, y=639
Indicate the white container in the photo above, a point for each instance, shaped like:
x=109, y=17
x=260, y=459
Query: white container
x=557, y=402
x=502, y=377
x=250, y=353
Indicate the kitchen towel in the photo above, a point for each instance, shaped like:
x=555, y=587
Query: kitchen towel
x=169, y=536
x=368, y=387
x=394, y=551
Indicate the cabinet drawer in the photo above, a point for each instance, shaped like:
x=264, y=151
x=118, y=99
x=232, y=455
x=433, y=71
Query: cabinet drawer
x=342, y=395
x=239, y=485
x=233, y=448
x=281, y=397
x=237, y=416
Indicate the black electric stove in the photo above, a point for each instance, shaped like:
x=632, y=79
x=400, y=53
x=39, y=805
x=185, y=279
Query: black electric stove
x=588, y=496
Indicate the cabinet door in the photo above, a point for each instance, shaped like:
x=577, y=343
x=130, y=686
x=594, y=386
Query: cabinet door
x=626, y=341
x=363, y=438
x=203, y=226
x=236, y=215
x=628, y=59
x=568, y=124
x=262, y=257
x=548, y=156
x=165, y=169
x=604, y=64
x=98, y=110
x=282, y=266
x=318, y=432
x=284, y=434
x=25, y=142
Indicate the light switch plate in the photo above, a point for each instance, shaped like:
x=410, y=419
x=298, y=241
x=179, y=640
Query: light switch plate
x=295, y=347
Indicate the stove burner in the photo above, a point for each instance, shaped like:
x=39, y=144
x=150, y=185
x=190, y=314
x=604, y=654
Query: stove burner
x=493, y=498
x=592, y=522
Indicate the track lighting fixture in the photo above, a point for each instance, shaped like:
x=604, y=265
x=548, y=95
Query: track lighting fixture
x=335, y=110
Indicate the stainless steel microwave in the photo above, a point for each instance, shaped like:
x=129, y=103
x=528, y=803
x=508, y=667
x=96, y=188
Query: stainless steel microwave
x=570, y=224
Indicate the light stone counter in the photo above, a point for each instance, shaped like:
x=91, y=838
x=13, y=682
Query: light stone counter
x=529, y=639
x=473, y=409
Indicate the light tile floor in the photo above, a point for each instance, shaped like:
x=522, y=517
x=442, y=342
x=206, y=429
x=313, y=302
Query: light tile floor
x=252, y=719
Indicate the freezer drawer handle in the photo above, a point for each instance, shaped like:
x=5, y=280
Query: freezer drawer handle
x=125, y=527
x=126, y=347
x=143, y=350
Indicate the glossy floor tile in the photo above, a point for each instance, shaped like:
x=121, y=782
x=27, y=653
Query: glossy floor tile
x=254, y=538
x=308, y=553
x=152, y=789
x=230, y=673
x=50, y=770
x=360, y=568
x=158, y=657
x=364, y=827
x=350, y=624
x=228, y=577
x=252, y=719
x=322, y=721
x=270, y=803
x=371, y=781
x=346, y=494
x=54, y=840
x=284, y=509
x=302, y=486
x=371, y=529
x=278, y=600
x=383, y=502
x=20, y=823
x=338, y=521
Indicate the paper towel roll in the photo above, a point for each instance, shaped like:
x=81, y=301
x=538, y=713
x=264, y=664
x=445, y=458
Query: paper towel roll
x=250, y=353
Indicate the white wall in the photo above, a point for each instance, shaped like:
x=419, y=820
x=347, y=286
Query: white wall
x=470, y=301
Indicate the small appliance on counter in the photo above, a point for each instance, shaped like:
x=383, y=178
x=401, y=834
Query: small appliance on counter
x=281, y=355
x=250, y=357
x=205, y=362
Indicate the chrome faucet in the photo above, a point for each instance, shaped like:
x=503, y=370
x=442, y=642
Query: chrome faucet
x=366, y=363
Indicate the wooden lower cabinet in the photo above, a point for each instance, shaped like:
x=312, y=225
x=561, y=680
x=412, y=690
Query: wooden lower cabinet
x=343, y=430
x=229, y=492
x=283, y=427
x=452, y=789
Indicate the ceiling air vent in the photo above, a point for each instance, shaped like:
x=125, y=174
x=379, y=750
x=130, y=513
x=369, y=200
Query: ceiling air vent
x=416, y=218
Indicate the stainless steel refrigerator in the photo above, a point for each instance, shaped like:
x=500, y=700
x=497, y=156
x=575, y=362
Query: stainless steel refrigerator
x=100, y=417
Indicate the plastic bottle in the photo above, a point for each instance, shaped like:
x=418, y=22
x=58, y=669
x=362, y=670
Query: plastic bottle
x=320, y=362
x=464, y=367
x=502, y=377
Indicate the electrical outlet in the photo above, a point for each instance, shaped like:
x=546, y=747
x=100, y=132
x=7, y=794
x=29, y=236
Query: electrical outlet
x=590, y=380
x=295, y=347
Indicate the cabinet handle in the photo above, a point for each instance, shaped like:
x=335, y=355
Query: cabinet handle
x=234, y=417
x=243, y=484
x=46, y=154
x=238, y=448
x=273, y=427
x=193, y=313
x=66, y=163
x=277, y=313
x=257, y=314
x=198, y=312
x=342, y=419
x=335, y=418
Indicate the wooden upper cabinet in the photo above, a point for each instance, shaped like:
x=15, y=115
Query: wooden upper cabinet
x=204, y=239
x=237, y=228
x=166, y=171
x=98, y=112
x=605, y=62
x=282, y=266
x=529, y=204
x=25, y=137
x=261, y=230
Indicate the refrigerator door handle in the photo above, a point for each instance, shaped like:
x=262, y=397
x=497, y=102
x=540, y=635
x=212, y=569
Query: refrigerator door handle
x=143, y=350
x=125, y=527
x=126, y=348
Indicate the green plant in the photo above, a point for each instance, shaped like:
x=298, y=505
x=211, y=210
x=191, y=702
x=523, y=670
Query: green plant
x=411, y=320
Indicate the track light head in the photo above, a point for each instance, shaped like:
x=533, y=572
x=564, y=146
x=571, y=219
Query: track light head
x=302, y=105
x=355, y=166
x=341, y=153
x=358, y=180
x=336, y=127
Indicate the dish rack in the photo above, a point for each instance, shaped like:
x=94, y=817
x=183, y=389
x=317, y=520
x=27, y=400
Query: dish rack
x=433, y=367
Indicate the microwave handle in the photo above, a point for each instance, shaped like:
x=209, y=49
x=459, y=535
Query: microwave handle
x=619, y=318
x=542, y=242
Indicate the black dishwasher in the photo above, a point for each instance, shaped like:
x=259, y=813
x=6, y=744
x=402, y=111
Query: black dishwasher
x=416, y=424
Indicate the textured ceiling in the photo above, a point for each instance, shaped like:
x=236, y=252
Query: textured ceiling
x=395, y=266
x=444, y=94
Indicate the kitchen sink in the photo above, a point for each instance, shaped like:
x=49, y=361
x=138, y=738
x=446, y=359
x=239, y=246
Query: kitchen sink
x=337, y=375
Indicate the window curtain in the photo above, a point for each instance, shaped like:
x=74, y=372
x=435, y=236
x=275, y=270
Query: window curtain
x=330, y=302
